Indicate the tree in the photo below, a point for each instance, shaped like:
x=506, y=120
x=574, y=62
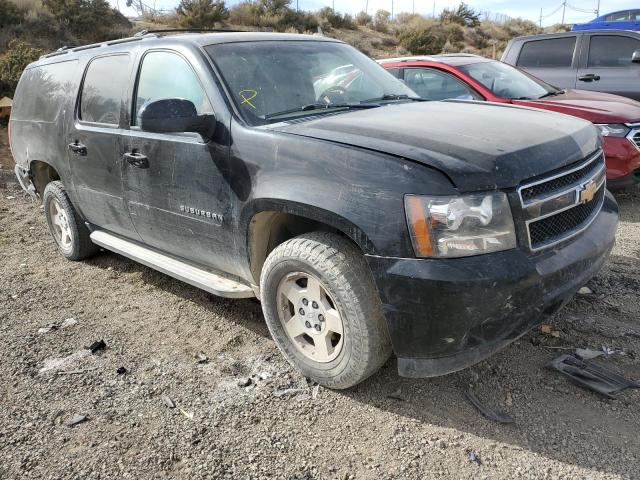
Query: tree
x=381, y=21
x=463, y=15
x=12, y=63
x=201, y=13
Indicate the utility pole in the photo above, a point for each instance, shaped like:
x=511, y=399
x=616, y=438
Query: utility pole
x=414, y=7
x=598, y=9
x=540, y=18
x=297, y=5
x=391, y=9
x=366, y=8
x=564, y=9
x=434, y=8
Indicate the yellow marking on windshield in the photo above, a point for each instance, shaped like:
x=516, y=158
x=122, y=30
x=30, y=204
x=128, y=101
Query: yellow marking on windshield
x=247, y=96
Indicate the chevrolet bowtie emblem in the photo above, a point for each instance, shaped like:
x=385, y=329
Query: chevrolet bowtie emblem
x=588, y=192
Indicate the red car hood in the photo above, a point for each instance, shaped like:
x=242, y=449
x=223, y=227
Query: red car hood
x=593, y=106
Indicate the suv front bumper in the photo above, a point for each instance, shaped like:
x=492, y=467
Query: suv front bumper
x=448, y=314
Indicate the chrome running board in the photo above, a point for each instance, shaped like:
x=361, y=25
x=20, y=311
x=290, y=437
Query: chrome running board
x=186, y=272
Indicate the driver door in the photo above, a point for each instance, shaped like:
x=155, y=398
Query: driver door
x=176, y=194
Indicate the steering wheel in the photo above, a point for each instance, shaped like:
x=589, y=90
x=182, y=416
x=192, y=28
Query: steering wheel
x=335, y=94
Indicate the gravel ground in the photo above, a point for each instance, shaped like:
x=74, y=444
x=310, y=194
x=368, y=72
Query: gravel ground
x=279, y=426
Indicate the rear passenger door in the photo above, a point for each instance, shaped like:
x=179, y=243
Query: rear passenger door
x=554, y=60
x=94, y=144
x=606, y=65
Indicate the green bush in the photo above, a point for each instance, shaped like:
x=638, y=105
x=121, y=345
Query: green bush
x=12, y=63
x=363, y=18
x=10, y=14
x=381, y=21
x=89, y=20
x=463, y=15
x=422, y=40
x=329, y=17
x=201, y=13
x=272, y=14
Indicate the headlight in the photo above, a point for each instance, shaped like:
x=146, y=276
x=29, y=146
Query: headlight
x=613, y=130
x=460, y=226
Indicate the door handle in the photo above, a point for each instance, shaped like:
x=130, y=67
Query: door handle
x=137, y=159
x=78, y=148
x=589, y=78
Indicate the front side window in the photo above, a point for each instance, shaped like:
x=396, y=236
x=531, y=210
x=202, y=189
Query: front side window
x=273, y=80
x=555, y=52
x=612, y=50
x=103, y=89
x=165, y=75
x=634, y=15
x=506, y=81
x=432, y=84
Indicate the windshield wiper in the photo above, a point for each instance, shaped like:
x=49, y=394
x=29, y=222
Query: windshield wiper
x=553, y=94
x=392, y=96
x=318, y=107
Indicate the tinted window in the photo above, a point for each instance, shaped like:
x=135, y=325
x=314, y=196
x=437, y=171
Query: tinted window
x=506, y=81
x=103, y=88
x=167, y=75
x=617, y=17
x=635, y=15
x=43, y=90
x=555, y=52
x=612, y=50
x=435, y=85
x=394, y=71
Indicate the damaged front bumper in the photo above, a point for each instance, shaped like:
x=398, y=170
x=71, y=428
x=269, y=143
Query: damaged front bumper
x=448, y=314
x=24, y=179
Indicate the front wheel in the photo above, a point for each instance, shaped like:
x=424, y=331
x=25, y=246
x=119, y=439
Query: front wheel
x=323, y=310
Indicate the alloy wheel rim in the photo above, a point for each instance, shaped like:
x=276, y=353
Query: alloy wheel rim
x=310, y=318
x=60, y=222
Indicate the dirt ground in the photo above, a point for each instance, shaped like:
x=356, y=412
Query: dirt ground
x=279, y=426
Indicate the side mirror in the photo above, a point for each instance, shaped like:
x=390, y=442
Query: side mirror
x=176, y=115
x=635, y=58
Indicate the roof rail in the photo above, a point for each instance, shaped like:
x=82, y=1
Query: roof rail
x=80, y=48
x=185, y=30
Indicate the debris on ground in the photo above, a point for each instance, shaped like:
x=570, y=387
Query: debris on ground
x=168, y=401
x=75, y=420
x=488, y=412
x=610, y=351
x=202, y=358
x=96, y=347
x=122, y=371
x=585, y=291
x=68, y=322
x=288, y=392
x=586, y=354
x=315, y=391
x=189, y=415
x=546, y=329
x=50, y=327
x=397, y=395
x=592, y=375
x=54, y=364
x=76, y=372
x=474, y=458
x=245, y=382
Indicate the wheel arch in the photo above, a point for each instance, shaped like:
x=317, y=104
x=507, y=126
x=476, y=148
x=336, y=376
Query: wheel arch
x=271, y=222
x=42, y=173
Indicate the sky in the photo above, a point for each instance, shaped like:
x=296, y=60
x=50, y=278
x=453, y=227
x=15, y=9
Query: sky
x=525, y=9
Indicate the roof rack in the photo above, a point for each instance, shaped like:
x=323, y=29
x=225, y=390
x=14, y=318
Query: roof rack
x=185, y=30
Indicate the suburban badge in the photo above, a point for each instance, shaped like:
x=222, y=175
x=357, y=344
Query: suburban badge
x=202, y=213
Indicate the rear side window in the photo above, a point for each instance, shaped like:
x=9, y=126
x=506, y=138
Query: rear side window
x=103, y=89
x=618, y=17
x=394, y=71
x=43, y=91
x=167, y=75
x=555, y=52
x=612, y=50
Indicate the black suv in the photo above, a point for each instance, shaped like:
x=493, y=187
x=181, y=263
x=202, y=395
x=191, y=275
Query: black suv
x=295, y=169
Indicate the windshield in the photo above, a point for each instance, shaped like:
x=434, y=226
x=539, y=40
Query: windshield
x=506, y=81
x=274, y=80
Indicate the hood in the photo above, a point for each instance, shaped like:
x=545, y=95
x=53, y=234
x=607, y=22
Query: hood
x=595, y=107
x=478, y=145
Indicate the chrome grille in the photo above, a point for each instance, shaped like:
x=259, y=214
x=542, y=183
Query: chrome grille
x=635, y=137
x=559, y=207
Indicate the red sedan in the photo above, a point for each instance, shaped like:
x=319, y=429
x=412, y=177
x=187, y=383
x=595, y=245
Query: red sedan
x=470, y=77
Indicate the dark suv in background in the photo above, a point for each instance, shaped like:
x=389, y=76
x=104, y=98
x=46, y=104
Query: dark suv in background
x=599, y=60
x=363, y=218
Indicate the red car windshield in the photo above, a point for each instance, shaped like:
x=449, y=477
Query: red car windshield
x=508, y=82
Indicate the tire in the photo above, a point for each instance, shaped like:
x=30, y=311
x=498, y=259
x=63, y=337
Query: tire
x=67, y=228
x=291, y=274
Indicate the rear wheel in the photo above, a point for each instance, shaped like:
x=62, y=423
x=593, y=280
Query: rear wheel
x=323, y=310
x=67, y=228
